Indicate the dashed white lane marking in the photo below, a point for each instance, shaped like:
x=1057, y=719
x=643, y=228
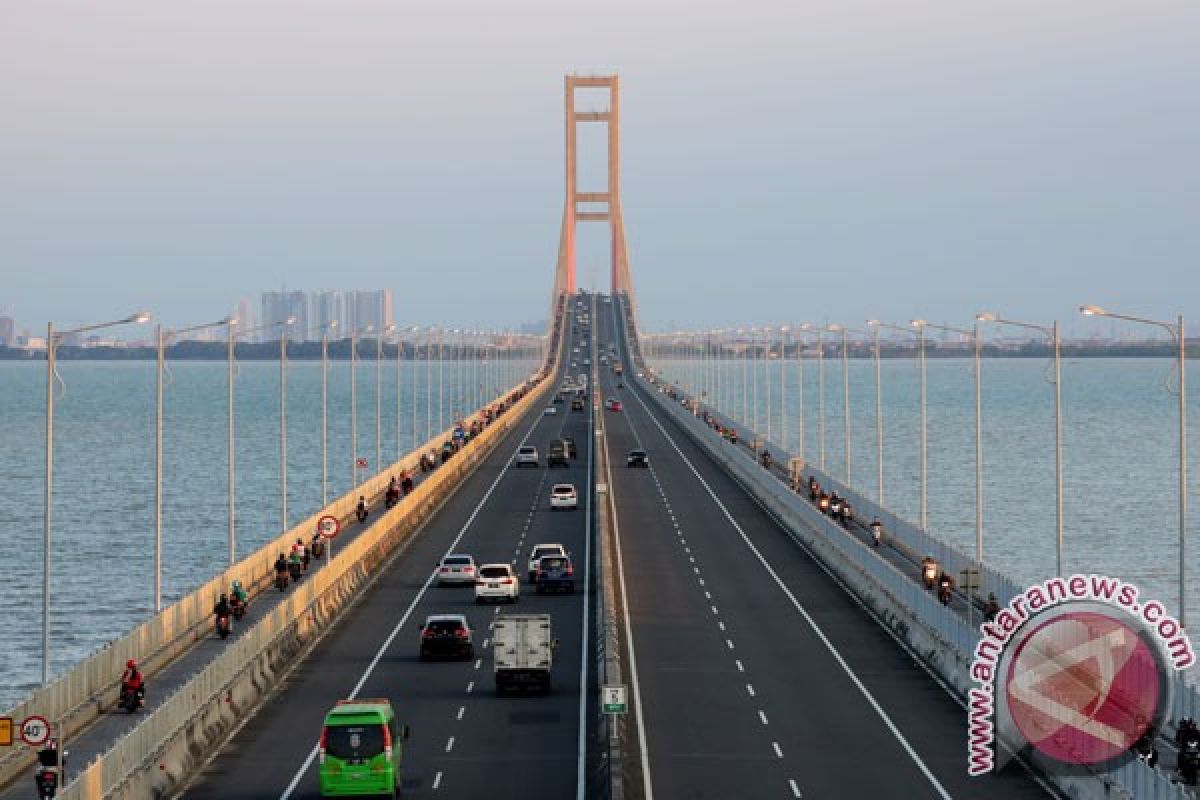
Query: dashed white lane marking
x=478, y=663
x=721, y=625
x=437, y=780
x=762, y=715
x=449, y=744
x=707, y=595
x=696, y=570
x=461, y=710
x=750, y=689
x=778, y=752
x=701, y=580
x=714, y=608
x=738, y=661
x=795, y=788
x=470, y=687
x=485, y=643
x=729, y=642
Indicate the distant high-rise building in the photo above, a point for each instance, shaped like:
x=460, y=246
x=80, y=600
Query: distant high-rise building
x=279, y=306
x=372, y=308
x=8, y=332
x=244, y=315
x=329, y=307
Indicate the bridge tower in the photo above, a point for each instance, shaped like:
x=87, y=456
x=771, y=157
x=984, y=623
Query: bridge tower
x=610, y=198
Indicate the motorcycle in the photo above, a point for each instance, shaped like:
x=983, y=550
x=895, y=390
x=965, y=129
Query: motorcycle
x=835, y=508
x=1189, y=762
x=944, y=591
x=224, y=625
x=929, y=574
x=46, y=778
x=391, y=498
x=876, y=534
x=360, y=514
x=238, y=607
x=281, y=581
x=304, y=559
x=294, y=571
x=317, y=548
x=132, y=699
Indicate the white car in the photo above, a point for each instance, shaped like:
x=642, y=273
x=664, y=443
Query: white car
x=540, y=550
x=456, y=568
x=526, y=454
x=550, y=411
x=563, y=495
x=497, y=582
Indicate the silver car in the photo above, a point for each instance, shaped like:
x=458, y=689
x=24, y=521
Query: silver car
x=456, y=568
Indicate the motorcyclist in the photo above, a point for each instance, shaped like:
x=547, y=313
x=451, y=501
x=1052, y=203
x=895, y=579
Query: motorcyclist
x=300, y=548
x=360, y=511
x=238, y=599
x=945, y=587
x=1145, y=749
x=223, y=613
x=822, y=502
x=835, y=504
x=876, y=532
x=281, y=572
x=317, y=547
x=992, y=608
x=392, y=495
x=294, y=564
x=929, y=570
x=814, y=489
x=48, y=776
x=766, y=459
x=406, y=481
x=132, y=682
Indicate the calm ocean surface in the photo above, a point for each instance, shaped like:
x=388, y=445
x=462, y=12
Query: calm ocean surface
x=103, y=522
x=1120, y=438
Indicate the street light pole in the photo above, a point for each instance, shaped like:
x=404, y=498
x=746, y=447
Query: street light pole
x=974, y=334
x=325, y=410
x=51, y=363
x=1176, y=329
x=1050, y=332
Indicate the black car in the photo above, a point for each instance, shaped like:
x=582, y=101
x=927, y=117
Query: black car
x=637, y=458
x=555, y=574
x=446, y=636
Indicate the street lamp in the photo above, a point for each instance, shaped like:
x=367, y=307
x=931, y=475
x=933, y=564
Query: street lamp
x=52, y=340
x=379, y=395
x=1051, y=332
x=919, y=332
x=163, y=336
x=807, y=328
x=354, y=401
x=325, y=329
x=842, y=329
x=974, y=334
x=283, y=513
x=1176, y=330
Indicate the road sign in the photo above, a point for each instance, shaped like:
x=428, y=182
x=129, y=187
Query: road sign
x=361, y=463
x=35, y=731
x=6, y=738
x=328, y=526
x=613, y=699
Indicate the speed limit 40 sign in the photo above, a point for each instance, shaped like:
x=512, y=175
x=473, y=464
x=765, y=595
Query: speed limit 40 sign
x=328, y=526
x=35, y=731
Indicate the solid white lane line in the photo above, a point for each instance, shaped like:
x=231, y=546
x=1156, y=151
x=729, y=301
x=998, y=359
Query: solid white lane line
x=795, y=788
x=762, y=716
x=778, y=752
x=437, y=780
x=449, y=744
x=812, y=623
x=312, y=755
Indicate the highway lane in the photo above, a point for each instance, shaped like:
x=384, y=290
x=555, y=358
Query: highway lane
x=465, y=740
x=759, y=675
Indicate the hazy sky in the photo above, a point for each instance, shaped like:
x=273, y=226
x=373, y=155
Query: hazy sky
x=784, y=159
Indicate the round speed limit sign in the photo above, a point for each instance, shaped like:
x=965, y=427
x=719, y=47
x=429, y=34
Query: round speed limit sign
x=328, y=526
x=35, y=731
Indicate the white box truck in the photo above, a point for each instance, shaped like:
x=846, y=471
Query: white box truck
x=522, y=651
